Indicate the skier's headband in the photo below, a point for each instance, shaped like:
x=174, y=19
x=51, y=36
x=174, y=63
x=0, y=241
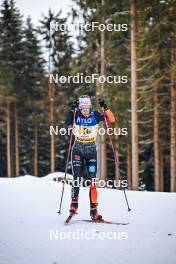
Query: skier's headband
x=84, y=102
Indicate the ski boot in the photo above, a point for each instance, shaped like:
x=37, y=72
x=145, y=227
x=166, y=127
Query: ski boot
x=74, y=205
x=73, y=209
x=94, y=214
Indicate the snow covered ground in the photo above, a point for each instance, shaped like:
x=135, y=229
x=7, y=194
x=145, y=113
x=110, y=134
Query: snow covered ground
x=31, y=231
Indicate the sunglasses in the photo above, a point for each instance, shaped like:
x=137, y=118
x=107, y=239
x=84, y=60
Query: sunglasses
x=85, y=109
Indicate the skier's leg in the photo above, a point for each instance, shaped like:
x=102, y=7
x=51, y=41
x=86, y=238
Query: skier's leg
x=93, y=202
x=77, y=162
x=91, y=162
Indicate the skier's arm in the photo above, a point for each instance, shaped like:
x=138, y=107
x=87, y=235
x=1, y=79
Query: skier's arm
x=99, y=116
x=69, y=118
x=108, y=113
x=109, y=116
x=70, y=115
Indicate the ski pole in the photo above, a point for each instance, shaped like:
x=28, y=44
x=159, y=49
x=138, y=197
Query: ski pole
x=66, y=167
x=116, y=156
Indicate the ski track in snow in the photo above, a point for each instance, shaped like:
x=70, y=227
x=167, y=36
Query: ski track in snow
x=28, y=213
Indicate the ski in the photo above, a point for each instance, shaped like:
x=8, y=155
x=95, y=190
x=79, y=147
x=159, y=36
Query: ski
x=96, y=222
x=69, y=218
x=104, y=222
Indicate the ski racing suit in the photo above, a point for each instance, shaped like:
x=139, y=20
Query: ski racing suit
x=84, y=150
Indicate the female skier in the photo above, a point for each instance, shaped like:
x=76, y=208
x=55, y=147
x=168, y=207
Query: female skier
x=85, y=129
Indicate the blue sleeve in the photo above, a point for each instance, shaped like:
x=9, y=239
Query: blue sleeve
x=99, y=116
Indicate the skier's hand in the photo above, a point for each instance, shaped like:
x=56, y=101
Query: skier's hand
x=102, y=104
x=74, y=105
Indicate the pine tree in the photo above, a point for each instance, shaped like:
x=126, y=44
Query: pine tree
x=33, y=89
x=11, y=52
x=59, y=49
x=11, y=65
x=33, y=72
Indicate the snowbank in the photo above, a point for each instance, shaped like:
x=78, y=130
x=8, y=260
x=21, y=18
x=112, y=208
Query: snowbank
x=31, y=231
x=55, y=176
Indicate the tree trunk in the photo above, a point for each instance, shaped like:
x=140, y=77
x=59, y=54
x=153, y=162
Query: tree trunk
x=102, y=139
x=161, y=170
x=17, y=167
x=128, y=164
x=8, y=143
x=52, y=146
x=0, y=152
x=103, y=163
x=173, y=117
x=98, y=140
x=117, y=167
x=51, y=98
x=156, y=141
x=134, y=119
x=36, y=148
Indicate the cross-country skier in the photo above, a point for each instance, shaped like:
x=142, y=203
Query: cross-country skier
x=84, y=148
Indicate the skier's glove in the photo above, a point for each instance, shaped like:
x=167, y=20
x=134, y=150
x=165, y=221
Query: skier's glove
x=103, y=104
x=74, y=105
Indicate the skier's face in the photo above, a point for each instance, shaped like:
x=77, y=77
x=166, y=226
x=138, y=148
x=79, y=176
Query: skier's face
x=85, y=110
